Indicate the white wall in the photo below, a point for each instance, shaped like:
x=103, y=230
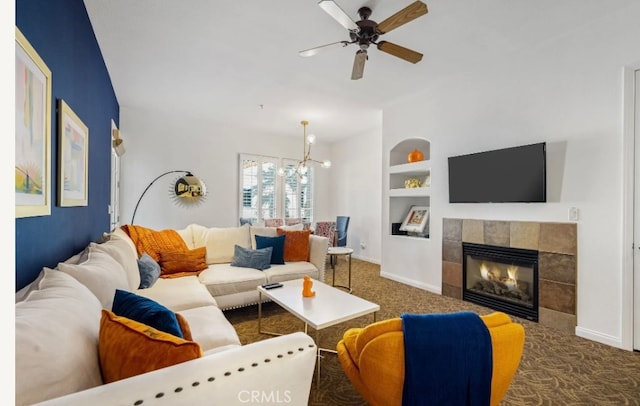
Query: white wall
x=567, y=92
x=159, y=143
x=356, y=190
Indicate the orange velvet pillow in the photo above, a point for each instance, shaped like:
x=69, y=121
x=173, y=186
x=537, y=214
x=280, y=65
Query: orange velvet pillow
x=184, y=327
x=177, y=263
x=154, y=242
x=296, y=244
x=128, y=348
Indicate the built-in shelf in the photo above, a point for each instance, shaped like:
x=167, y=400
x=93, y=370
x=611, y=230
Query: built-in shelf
x=416, y=191
x=401, y=198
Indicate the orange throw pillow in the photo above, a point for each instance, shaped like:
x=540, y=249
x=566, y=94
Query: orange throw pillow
x=128, y=348
x=296, y=244
x=154, y=242
x=177, y=263
x=184, y=327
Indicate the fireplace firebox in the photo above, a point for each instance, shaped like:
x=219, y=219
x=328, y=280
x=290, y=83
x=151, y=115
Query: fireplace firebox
x=501, y=278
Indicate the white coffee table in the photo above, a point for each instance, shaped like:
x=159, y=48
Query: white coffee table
x=328, y=307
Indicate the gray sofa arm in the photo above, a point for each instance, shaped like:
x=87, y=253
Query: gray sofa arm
x=274, y=371
x=318, y=248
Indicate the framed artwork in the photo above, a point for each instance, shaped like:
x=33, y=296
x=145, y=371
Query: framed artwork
x=416, y=219
x=73, y=158
x=33, y=131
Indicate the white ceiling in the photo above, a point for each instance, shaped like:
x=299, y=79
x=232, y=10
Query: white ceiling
x=236, y=62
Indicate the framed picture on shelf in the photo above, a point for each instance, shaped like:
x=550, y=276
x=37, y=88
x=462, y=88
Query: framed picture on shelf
x=33, y=133
x=73, y=158
x=416, y=219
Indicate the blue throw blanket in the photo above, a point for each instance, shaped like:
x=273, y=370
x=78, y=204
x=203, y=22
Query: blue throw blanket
x=448, y=360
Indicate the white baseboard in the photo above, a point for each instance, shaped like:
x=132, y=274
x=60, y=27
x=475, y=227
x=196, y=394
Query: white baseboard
x=411, y=282
x=599, y=337
x=363, y=258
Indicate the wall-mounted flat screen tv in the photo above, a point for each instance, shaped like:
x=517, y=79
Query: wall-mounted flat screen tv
x=516, y=174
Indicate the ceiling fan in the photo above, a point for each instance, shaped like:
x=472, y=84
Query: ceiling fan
x=366, y=32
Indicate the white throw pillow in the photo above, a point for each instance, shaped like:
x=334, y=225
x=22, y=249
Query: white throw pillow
x=56, y=339
x=120, y=250
x=100, y=273
x=298, y=226
x=220, y=242
x=263, y=231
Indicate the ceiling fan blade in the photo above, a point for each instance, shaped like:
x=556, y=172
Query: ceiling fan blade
x=313, y=51
x=409, y=13
x=401, y=52
x=334, y=10
x=358, y=64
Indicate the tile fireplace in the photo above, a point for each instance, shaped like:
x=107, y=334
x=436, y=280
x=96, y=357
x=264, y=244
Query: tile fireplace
x=501, y=278
x=555, y=280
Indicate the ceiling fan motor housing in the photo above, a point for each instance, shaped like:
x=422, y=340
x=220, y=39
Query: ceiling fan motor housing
x=368, y=29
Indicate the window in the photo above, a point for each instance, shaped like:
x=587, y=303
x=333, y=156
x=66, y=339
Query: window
x=265, y=195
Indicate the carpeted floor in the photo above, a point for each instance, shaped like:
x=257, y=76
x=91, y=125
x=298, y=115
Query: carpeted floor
x=556, y=368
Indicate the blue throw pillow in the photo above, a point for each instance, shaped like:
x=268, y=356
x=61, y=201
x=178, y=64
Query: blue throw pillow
x=277, y=256
x=248, y=258
x=146, y=311
x=149, y=271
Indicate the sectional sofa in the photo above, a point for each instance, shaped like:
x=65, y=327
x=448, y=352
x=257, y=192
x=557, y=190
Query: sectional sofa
x=78, y=342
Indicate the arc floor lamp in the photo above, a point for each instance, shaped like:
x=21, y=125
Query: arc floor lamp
x=187, y=190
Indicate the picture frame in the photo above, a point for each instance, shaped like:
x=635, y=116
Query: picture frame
x=32, y=131
x=416, y=219
x=73, y=158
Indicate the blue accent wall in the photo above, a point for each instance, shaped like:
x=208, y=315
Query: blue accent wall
x=61, y=33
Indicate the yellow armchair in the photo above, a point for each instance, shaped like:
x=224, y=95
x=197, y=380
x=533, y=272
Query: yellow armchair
x=373, y=358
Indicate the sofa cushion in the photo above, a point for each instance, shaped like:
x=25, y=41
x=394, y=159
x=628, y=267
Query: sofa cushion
x=292, y=270
x=146, y=311
x=248, y=258
x=121, y=251
x=220, y=242
x=179, y=293
x=210, y=328
x=100, y=273
x=174, y=264
x=224, y=279
x=264, y=231
x=128, y=348
x=277, y=255
x=154, y=242
x=56, y=332
x=296, y=245
x=149, y=271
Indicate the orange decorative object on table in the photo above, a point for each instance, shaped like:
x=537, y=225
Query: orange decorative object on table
x=415, y=156
x=306, y=287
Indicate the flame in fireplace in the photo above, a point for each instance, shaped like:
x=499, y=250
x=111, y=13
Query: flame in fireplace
x=512, y=280
x=484, y=271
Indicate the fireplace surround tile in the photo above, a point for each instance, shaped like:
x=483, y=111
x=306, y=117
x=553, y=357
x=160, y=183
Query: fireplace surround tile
x=473, y=231
x=452, y=274
x=560, y=238
x=557, y=267
x=452, y=251
x=558, y=320
x=496, y=233
x=451, y=291
x=557, y=296
x=525, y=235
x=452, y=229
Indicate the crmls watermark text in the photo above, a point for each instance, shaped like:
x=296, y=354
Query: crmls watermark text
x=257, y=396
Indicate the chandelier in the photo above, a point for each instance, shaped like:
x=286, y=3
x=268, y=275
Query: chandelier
x=302, y=167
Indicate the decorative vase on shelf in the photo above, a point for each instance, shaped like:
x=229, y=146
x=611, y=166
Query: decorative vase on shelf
x=415, y=156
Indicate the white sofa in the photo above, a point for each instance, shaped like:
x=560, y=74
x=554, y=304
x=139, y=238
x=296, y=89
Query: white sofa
x=58, y=320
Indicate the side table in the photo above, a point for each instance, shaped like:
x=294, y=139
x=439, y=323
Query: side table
x=334, y=252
